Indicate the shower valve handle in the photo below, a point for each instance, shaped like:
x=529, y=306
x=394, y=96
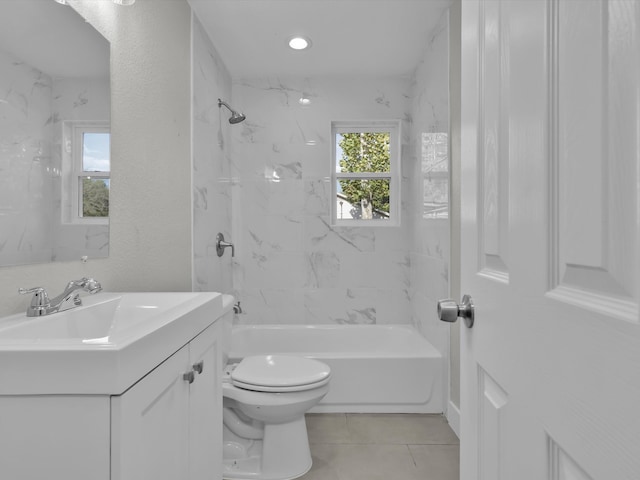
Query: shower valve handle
x=221, y=245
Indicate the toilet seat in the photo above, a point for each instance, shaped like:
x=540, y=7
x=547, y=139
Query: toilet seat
x=279, y=373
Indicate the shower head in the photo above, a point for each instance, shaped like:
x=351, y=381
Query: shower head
x=235, y=116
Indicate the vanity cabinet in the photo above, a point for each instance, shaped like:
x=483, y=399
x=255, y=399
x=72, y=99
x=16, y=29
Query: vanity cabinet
x=168, y=425
x=164, y=426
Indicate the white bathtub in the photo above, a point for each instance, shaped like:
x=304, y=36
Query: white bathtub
x=374, y=368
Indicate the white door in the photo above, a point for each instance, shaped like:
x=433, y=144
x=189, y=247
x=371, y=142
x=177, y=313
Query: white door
x=550, y=216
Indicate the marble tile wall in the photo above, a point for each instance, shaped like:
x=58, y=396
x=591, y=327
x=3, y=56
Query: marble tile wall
x=32, y=109
x=292, y=266
x=429, y=254
x=26, y=218
x=265, y=184
x=212, y=151
x=75, y=99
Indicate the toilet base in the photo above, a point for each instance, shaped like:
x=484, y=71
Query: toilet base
x=288, y=458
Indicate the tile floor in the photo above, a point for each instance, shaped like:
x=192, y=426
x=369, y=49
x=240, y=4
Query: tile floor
x=347, y=446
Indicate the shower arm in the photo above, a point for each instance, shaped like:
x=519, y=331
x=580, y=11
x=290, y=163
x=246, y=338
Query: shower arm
x=222, y=102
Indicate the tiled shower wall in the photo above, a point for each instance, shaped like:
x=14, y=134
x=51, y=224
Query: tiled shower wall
x=211, y=173
x=429, y=252
x=292, y=266
x=25, y=163
x=76, y=99
x=264, y=183
x=33, y=107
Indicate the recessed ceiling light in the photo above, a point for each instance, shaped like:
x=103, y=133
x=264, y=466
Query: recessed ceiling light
x=304, y=101
x=299, y=43
x=62, y=2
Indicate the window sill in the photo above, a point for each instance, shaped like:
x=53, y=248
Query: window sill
x=364, y=223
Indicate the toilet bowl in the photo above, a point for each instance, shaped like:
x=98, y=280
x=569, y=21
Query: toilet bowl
x=265, y=398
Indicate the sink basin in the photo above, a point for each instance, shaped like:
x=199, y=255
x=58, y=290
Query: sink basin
x=104, y=346
x=86, y=323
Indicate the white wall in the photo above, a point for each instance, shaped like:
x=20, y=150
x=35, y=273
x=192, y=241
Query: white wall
x=151, y=196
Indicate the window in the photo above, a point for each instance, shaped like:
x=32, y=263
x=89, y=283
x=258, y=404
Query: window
x=366, y=173
x=86, y=171
x=435, y=175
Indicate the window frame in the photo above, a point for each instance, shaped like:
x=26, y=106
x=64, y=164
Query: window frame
x=394, y=174
x=73, y=171
x=431, y=157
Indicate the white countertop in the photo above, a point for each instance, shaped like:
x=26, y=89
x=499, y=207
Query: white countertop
x=103, y=346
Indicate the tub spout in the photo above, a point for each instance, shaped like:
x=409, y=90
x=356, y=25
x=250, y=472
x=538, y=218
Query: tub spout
x=237, y=308
x=239, y=427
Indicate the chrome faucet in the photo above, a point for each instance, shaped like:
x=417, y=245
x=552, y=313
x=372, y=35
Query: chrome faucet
x=41, y=304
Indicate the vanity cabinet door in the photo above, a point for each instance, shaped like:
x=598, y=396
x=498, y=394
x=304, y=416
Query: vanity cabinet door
x=54, y=437
x=205, y=407
x=150, y=425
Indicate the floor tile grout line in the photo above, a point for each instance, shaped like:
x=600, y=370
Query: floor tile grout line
x=413, y=459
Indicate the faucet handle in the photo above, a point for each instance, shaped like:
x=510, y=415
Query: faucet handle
x=221, y=245
x=40, y=297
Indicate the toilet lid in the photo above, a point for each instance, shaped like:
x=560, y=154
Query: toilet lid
x=273, y=373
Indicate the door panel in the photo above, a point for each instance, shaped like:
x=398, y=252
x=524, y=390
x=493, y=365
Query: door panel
x=562, y=466
x=550, y=189
x=595, y=205
x=493, y=150
x=491, y=436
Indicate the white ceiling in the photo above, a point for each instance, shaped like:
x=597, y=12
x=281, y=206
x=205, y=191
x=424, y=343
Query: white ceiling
x=350, y=37
x=53, y=38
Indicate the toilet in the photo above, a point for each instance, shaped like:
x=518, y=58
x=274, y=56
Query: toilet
x=265, y=398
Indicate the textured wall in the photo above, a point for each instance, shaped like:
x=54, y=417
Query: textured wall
x=151, y=195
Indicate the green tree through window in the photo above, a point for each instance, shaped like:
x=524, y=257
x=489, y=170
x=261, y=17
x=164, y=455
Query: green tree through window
x=365, y=153
x=95, y=198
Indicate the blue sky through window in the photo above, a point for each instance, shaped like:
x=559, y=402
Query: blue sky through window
x=96, y=152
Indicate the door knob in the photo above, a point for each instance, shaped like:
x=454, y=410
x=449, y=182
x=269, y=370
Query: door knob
x=449, y=310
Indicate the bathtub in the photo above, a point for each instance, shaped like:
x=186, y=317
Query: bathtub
x=374, y=368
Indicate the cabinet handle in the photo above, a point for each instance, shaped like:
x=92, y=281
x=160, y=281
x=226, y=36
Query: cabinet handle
x=189, y=377
x=198, y=367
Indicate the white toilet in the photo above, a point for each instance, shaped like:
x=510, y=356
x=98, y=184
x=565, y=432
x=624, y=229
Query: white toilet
x=265, y=398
